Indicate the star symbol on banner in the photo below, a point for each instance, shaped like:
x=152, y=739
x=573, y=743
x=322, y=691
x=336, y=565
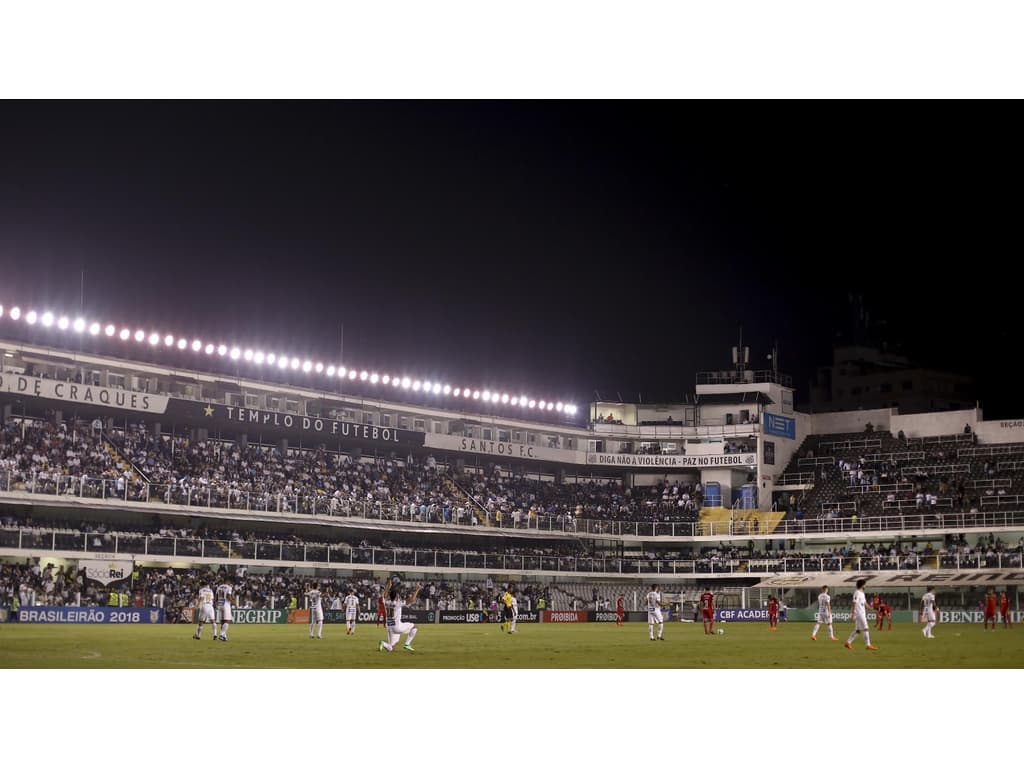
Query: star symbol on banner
x=208, y=410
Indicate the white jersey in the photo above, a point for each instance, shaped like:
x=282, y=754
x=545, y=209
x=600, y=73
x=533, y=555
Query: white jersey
x=515, y=606
x=351, y=605
x=224, y=602
x=860, y=610
x=316, y=610
x=654, y=607
x=928, y=605
x=205, y=605
x=824, y=608
x=393, y=619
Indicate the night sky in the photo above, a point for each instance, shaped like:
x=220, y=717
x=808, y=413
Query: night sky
x=560, y=248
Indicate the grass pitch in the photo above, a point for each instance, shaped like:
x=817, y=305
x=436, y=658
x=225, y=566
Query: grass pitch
x=534, y=646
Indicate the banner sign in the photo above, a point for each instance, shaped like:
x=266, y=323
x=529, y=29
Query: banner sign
x=563, y=617
x=843, y=615
x=463, y=617
x=741, y=614
x=259, y=616
x=70, y=614
x=782, y=426
x=106, y=571
x=85, y=394
x=887, y=579
x=972, y=617
x=501, y=449
x=298, y=616
x=670, y=461
x=257, y=421
x=603, y=616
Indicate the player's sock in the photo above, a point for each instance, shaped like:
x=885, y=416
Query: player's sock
x=224, y=631
x=867, y=637
x=852, y=637
x=412, y=634
x=814, y=632
x=661, y=630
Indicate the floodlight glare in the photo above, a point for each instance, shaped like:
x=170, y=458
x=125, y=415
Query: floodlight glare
x=296, y=363
x=427, y=386
x=363, y=376
x=466, y=393
x=437, y=388
x=395, y=381
x=271, y=358
x=515, y=401
x=79, y=325
x=522, y=400
x=47, y=319
x=541, y=405
x=486, y=396
x=457, y=391
x=182, y=343
x=352, y=374
x=196, y=345
x=416, y=385
x=235, y=353
x=1, y=310
x=209, y=349
x=341, y=371
x=319, y=367
x=64, y=323
x=558, y=407
x=385, y=379
x=447, y=389
x=476, y=394
x=282, y=362
x=258, y=357
x=551, y=406
x=330, y=370
x=504, y=398
x=30, y=318
x=169, y=340
x=406, y=383
x=222, y=350
x=125, y=334
x=532, y=403
x=374, y=378
x=154, y=339
x=307, y=366
x=94, y=329
x=109, y=330
x=15, y=313
x=247, y=355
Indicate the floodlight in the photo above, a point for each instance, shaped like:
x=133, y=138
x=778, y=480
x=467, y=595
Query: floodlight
x=532, y=403
x=416, y=385
x=125, y=334
x=30, y=317
x=330, y=370
x=209, y=349
x=79, y=325
x=374, y=378
x=352, y=374
x=15, y=313
x=247, y=355
x=64, y=323
x=47, y=319
x=94, y=329
x=271, y=358
x=447, y=389
x=307, y=366
x=437, y=388
x=235, y=353
x=476, y=394
x=319, y=367
x=154, y=338
x=385, y=379
x=140, y=335
x=258, y=357
x=504, y=398
x=196, y=345
x=169, y=340
x=109, y=330
x=363, y=376
x=182, y=343
x=406, y=383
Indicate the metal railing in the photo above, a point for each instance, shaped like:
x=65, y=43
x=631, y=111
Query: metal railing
x=815, y=461
x=900, y=456
x=198, y=549
x=796, y=478
x=1010, y=449
x=155, y=498
x=956, y=439
x=844, y=445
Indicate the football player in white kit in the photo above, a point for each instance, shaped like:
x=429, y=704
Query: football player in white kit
x=928, y=612
x=351, y=609
x=515, y=612
x=223, y=611
x=316, y=612
x=393, y=623
x=860, y=617
x=824, y=615
x=654, y=616
x=204, y=612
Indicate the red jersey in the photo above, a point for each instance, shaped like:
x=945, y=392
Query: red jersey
x=884, y=609
x=707, y=601
x=619, y=607
x=876, y=602
x=773, y=606
x=1004, y=604
x=990, y=602
x=380, y=607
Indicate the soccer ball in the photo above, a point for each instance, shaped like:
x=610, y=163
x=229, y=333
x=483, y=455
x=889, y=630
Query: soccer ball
x=721, y=631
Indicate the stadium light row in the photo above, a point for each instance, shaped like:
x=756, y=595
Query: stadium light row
x=283, y=362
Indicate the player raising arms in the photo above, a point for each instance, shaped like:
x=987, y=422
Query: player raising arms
x=204, y=613
x=773, y=613
x=824, y=614
x=394, y=625
x=928, y=612
x=707, y=611
x=860, y=617
x=351, y=609
x=990, y=608
x=316, y=611
x=223, y=611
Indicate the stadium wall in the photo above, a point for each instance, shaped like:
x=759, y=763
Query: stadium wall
x=933, y=424
x=852, y=421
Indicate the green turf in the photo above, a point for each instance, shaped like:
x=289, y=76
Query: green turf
x=559, y=646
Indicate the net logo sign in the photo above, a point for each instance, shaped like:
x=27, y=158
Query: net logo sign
x=782, y=426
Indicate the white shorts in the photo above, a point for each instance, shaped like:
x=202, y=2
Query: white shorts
x=654, y=617
x=397, y=630
x=824, y=619
x=350, y=616
x=224, y=613
x=860, y=620
x=205, y=613
x=316, y=614
x=929, y=615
